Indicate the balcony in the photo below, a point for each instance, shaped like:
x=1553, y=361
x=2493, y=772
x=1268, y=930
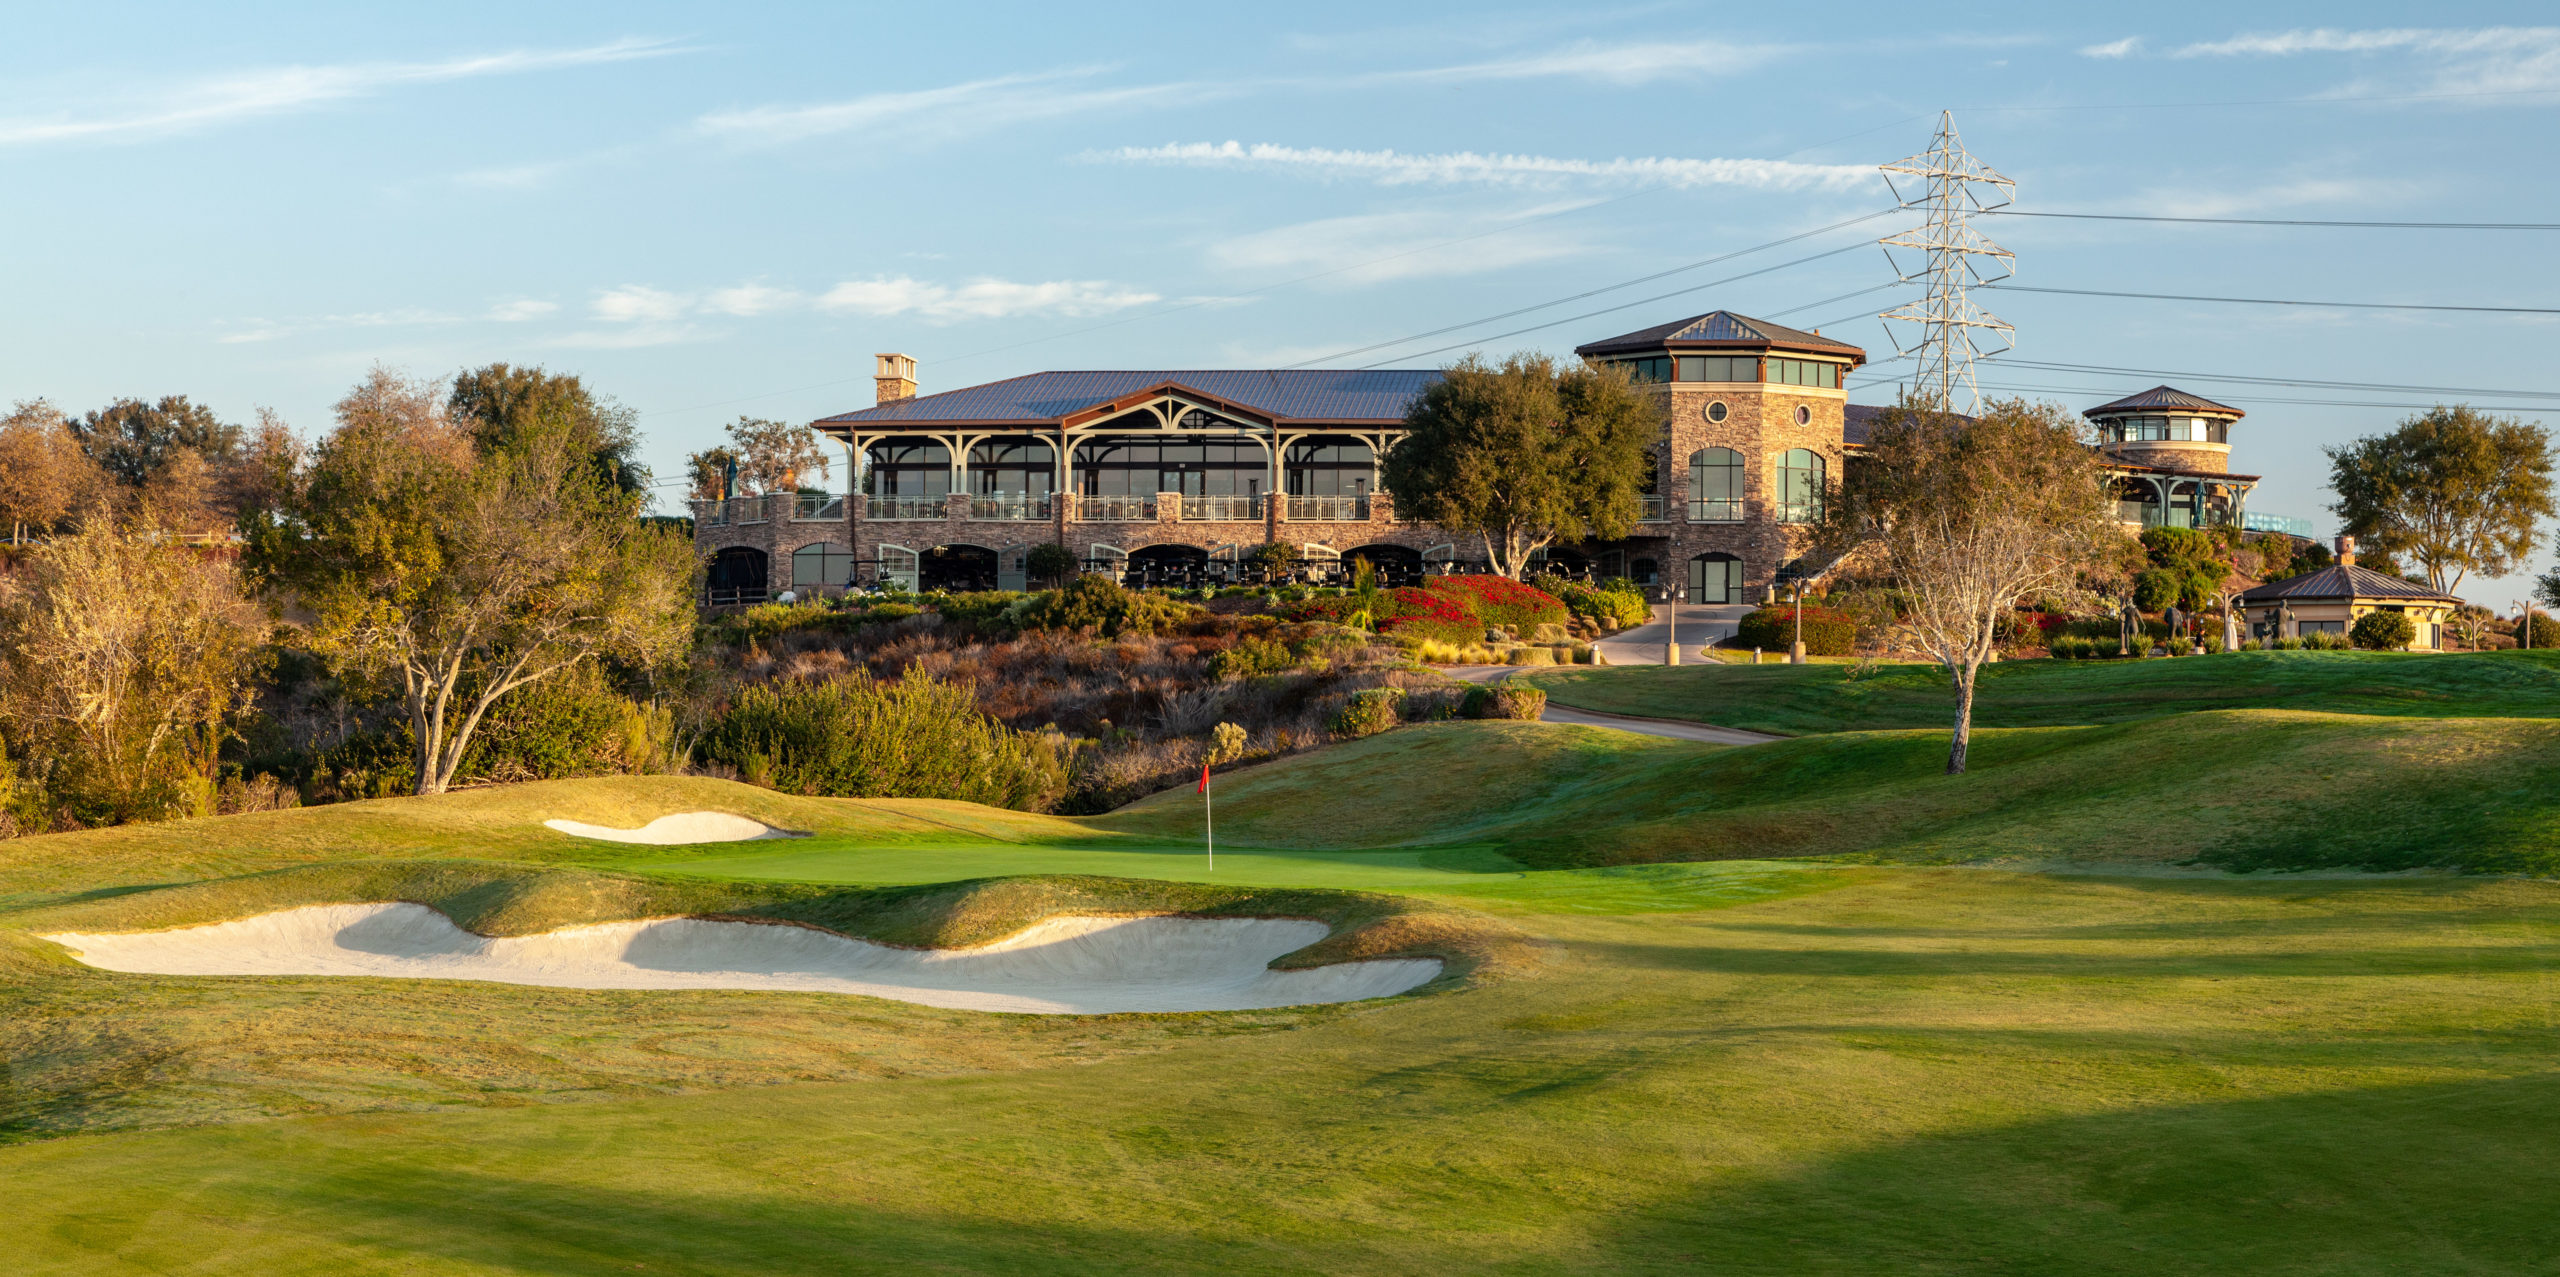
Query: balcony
x=1329, y=509
x=817, y=507
x=1001, y=506
x=735, y=510
x=884, y=508
x=1715, y=510
x=1650, y=510
x=1116, y=509
x=1221, y=509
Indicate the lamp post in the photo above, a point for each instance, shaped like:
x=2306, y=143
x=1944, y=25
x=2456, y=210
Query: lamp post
x=2524, y=624
x=1795, y=655
x=1671, y=597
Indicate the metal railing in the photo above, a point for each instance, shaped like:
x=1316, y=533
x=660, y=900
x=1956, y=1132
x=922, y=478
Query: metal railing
x=909, y=508
x=1008, y=507
x=2256, y=522
x=1650, y=510
x=1329, y=509
x=1222, y=509
x=1715, y=510
x=735, y=510
x=817, y=507
x=1116, y=509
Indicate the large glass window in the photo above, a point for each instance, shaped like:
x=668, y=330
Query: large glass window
x=1804, y=372
x=1715, y=485
x=1719, y=368
x=1329, y=468
x=825, y=563
x=1012, y=468
x=1800, y=486
x=1650, y=369
x=1138, y=467
x=1715, y=578
x=907, y=468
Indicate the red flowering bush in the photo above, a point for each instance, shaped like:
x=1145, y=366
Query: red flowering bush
x=1499, y=600
x=1431, y=614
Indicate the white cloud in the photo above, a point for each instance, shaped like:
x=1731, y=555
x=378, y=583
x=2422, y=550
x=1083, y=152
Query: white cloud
x=751, y=299
x=1374, y=248
x=957, y=108
x=2123, y=48
x=1395, y=168
x=2460, y=60
x=520, y=310
x=1634, y=63
x=223, y=99
x=636, y=337
x=637, y=303
x=980, y=298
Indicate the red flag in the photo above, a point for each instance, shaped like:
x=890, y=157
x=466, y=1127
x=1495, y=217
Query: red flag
x=1204, y=778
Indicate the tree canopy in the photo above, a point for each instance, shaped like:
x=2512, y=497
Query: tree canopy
x=133, y=441
x=501, y=404
x=1525, y=455
x=2454, y=489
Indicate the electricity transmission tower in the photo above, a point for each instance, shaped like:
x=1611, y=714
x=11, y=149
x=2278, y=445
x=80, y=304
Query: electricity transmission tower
x=1956, y=257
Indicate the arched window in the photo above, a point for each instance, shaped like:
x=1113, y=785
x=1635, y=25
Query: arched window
x=825, y=563
x=1715, y=486
x=1715, y=578
x=1800, y=486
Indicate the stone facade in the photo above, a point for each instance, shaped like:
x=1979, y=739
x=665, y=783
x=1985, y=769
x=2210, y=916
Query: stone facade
x=1760, y=423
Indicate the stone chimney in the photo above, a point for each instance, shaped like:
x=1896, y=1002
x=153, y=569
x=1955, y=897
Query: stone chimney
x=2346, y=552
x=896, y=378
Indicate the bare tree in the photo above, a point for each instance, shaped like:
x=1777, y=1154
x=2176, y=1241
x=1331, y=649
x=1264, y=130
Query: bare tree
x=45, y=477
x=1969, y=516
x=455, y=573
x=772, y=455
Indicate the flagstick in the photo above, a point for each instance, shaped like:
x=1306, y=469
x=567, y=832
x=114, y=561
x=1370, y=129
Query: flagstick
x=1209, y=824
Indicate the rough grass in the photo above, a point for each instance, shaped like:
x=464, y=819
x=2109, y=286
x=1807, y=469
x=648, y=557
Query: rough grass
x=1920, y=1071
x=1802, y=699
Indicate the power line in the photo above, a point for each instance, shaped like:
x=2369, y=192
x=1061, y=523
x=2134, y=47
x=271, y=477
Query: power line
x=2284, y=221
x=1593, y=292
x=2302, y=382
x=2256, y=399
x=2278, y=301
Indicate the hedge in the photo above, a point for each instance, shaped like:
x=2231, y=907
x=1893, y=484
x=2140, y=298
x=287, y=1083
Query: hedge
x=1826, y=632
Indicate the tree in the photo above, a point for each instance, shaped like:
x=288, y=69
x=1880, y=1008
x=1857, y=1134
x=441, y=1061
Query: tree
x=452, y=572
x=772, y=455
x=709, y=473
x=2186, y=569
x=1525, y=455
x=129, y=659
x=45, y=478
x=501, y=404
x=132, y=440
x=2454, y=489
x=1050, y=562
x=1969, y=518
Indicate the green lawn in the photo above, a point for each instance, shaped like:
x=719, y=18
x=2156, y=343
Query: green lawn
x=1796, y=700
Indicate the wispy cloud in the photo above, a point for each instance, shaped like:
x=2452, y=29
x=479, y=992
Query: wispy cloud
x=969, y=107
x=1397, y=168
x=521, y=310
x=2123, y=48
x=636, y=303
x=2457, y=59
x=1634, y=62
x=981, y=298
x=271, y=330
x=1411, y=244
x=219, y=100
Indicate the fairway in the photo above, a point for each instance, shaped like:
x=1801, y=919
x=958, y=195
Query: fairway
x=1242, y=866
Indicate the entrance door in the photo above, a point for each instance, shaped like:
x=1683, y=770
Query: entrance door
x=898, y=567
x=1715, y=578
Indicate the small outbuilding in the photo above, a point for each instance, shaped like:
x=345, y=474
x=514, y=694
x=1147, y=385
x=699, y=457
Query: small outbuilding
x=2330, y=600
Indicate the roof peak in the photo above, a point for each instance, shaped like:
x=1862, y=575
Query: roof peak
x=2163, y=397
x=1720, y=328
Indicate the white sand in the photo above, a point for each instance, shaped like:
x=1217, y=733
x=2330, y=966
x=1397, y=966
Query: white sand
x=1068, y=964
x=681, y=828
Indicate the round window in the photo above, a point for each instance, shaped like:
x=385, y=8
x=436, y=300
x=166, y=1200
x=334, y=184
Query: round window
x=1717, y=411
x=1804, y=415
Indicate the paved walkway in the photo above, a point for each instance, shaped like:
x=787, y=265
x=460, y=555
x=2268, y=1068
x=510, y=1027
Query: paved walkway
x=1674, y=728
x=1700, y=625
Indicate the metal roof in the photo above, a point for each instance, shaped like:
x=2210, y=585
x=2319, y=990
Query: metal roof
x=1289, y=394
x=2160, y=397
x=1719, y=328
x=2343, y=581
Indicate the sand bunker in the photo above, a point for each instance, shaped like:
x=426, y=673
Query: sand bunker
x=683, y=827
x=1068, y=964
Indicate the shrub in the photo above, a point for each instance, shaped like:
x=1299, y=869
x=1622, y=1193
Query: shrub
x=1226, y=744
x=1100, y=604
x=570, y=724
x=1050, y=562
x=1503, y=700
x=1366, y=713
x=2181, y=645
x=1250, y=657
x=983, y=609
x=860, y=738
x=2383, y=631
x=1405, y=613
x=2326, y=642
x=2142, y=644
x=1826, y=632
x=2068, y=647
x=1501, y=601
x=2545, y=632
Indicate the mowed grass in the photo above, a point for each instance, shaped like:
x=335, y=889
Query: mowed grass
x=1915, y=1071
x=1804, y=699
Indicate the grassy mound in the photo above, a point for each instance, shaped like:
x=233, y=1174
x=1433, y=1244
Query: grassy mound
x=2237, y=789
x=1801, y=699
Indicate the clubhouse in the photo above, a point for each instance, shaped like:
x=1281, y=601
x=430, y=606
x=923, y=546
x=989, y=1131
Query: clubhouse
x=1179, y=476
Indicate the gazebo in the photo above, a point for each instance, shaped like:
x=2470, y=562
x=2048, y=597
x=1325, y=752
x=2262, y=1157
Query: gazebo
x=2330, y=600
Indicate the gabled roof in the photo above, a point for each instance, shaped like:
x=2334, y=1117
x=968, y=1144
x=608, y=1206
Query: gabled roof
x=2342, y=581
x=1719, y=328
x=1283, y=395
x=2162, y=397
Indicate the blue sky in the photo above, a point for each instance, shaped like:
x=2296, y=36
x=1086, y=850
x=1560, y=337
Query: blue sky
x=710, y=210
